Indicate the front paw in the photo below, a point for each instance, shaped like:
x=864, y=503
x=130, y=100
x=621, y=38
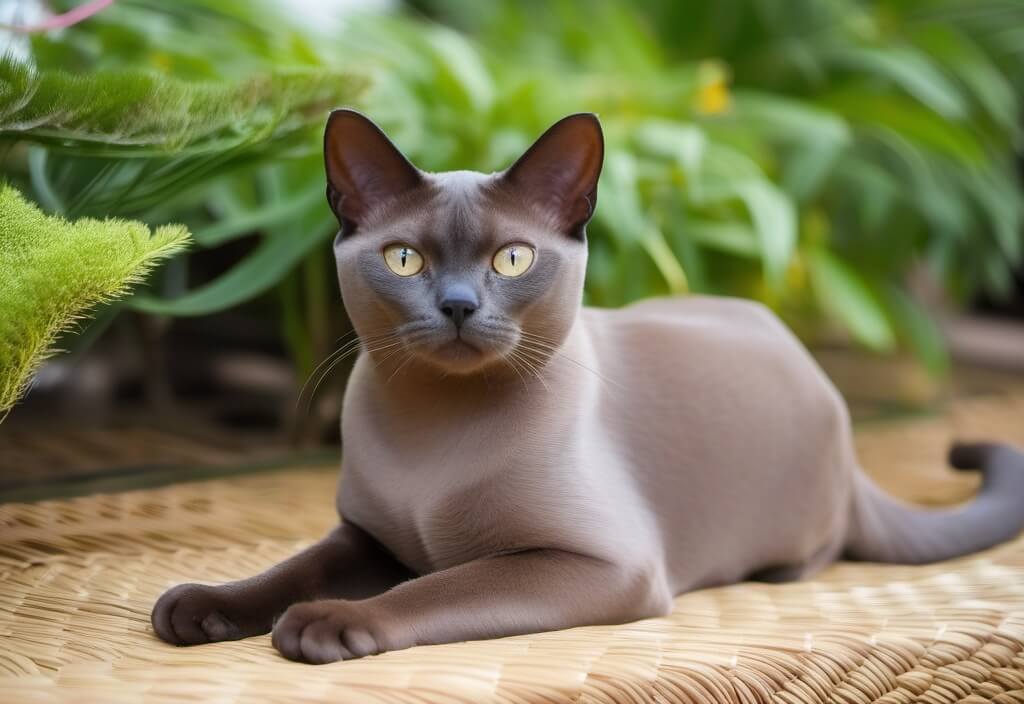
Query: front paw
x=319, y=632
x=190, y=614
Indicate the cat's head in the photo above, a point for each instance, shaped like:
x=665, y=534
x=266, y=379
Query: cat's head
x=462, y=270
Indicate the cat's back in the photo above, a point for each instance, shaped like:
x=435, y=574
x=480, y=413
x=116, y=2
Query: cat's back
x=693, y=356
x=703, y=334
x=727, y=418
x=714, y=317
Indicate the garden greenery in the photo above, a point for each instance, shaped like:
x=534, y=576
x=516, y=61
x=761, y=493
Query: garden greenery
x=807, y=153
x=54, y=271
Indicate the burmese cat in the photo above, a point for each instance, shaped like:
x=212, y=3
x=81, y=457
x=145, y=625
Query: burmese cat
x=514, y=462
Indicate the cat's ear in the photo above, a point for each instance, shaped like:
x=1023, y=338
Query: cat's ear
x=364, y=169
x=559, y=172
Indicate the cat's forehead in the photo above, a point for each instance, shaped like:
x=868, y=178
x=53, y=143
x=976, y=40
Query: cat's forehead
x=460, y=201
x=461, y=210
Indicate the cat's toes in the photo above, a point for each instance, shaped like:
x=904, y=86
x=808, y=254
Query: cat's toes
x=319, y=632
x=190, y=614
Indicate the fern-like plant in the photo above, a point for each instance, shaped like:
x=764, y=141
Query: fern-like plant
x=54, y=271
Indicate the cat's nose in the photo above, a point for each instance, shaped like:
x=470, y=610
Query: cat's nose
x=458, y=303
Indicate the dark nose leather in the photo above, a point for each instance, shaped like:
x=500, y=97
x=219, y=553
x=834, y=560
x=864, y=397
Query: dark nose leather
x=458, y=303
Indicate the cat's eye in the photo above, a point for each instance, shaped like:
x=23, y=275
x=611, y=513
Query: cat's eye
x=513, y=259
x=403, y=259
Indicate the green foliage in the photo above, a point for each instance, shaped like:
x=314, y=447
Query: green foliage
x=54, y=271
x=129, y=142
x=133, y=113
x=861, y=140
x=204, y=112
x=802, y=152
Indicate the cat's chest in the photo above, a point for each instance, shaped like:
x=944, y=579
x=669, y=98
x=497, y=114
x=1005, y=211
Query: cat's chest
x=443, y=504
x=447, y=480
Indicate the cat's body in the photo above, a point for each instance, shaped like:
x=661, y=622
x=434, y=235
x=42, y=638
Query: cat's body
x=649, y=456
x=514, y=462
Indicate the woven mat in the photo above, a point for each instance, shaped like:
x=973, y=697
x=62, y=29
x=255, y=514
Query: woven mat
x=78, y=577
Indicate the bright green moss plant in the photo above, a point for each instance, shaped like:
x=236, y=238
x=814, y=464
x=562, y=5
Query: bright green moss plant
x=53, y=272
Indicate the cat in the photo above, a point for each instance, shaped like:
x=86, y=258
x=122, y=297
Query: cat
x=515, y=462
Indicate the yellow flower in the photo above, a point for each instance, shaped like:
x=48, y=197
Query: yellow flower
x=161, y=61
x=713, y=97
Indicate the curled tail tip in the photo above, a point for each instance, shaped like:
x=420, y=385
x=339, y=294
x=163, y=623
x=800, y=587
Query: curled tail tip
x=969, y=455
x=984, y=455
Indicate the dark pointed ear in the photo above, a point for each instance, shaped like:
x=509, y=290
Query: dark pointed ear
x=559, y=172
x=364, y=169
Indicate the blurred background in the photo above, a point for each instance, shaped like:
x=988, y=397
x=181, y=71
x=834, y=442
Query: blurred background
x=854, y=165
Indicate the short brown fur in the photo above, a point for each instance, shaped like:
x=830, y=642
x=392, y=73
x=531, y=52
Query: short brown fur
x=530, y=464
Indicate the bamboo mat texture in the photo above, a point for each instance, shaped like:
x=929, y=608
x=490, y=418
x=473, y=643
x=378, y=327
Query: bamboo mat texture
x=78, y=578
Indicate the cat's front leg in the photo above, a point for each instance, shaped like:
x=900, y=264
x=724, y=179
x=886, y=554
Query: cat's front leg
x=348, y=563
x=525, y=592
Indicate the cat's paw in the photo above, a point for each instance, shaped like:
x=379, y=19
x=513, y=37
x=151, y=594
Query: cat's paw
x=190, y=614
x=319, y=632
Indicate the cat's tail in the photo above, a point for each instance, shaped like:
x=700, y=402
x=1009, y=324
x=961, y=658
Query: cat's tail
x=884, y=529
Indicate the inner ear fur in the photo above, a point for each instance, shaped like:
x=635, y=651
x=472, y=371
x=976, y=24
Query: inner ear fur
x=364, y=168
x=560, y=171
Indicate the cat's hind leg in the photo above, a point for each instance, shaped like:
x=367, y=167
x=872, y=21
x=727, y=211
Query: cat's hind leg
x=347, y=564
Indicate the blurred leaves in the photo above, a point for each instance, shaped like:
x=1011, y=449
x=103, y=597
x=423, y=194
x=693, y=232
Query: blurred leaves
x=279, y=251
x=845, y=295
x=806, y=153
x=137, y=114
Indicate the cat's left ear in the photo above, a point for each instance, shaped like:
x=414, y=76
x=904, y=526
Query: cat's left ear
x=559, y=172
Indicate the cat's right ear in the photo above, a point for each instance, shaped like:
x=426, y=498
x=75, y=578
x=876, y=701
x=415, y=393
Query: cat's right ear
x=364, y=169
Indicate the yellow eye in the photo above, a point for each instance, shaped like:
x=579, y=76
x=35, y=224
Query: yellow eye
x=403, y=260
x=513, y=260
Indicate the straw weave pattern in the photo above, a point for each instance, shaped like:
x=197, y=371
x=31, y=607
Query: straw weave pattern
x=78, y=578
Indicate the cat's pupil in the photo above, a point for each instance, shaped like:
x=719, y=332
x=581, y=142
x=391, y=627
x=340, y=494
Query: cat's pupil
x=512, y=257
x=404, y=253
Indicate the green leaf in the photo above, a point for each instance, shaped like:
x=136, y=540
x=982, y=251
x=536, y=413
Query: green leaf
x=683, y=143
x=463, y=68
x=921, y=333
x=843, y=293
x=912, y=122
x=132, y=111
x=774, y=219
x=263, y=268
x=813, y=138
x=41, y=184
x=790, y=119
x=620, y=205
x=908, y=68
x=268, y=216
x=736, y=238
x=978, y=73
x=669, y=266
x=55, y=271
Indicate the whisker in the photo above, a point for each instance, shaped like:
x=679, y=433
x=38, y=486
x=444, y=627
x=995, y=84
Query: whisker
x=398, y=347
x=331, y=361
x=405, y=361
x=327, y=372
x=326, y=360
x=535, y=365
x=540, y=345
x=510, y=359
x=530, y=367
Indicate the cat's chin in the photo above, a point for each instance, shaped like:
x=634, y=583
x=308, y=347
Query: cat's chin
x=460, y=356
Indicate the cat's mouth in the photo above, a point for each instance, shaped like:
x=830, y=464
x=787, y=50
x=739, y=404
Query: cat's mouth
x=462, y=350
x=459, y=347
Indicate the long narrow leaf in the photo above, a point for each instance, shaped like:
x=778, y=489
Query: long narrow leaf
x=263, y=268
